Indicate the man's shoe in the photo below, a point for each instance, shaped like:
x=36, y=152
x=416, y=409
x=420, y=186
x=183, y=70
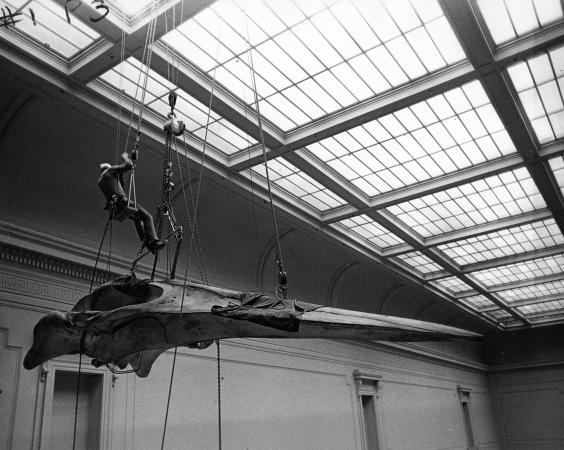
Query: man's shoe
x=155, y=245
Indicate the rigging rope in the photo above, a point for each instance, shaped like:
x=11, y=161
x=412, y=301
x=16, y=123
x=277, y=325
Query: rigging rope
x=148, y=45
x=218, y=395
x=282, y=288
x=195, y=203
x=77, y=392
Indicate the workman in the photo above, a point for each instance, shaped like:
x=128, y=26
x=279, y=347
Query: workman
x=112, y=185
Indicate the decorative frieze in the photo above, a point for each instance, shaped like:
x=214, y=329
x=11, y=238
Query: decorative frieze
x=29, y=258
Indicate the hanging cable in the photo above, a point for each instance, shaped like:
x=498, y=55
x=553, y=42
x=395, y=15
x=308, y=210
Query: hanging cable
x=77, y=391
x=189, y=252
x=196, y=243
x=218, y=395
x=282, y=288
x=120, y=95
x=252, y=184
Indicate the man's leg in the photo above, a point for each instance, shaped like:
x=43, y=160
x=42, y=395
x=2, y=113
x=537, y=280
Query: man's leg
x=144, y=219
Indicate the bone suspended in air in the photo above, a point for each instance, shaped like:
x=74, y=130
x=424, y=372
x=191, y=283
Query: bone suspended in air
x=131, y=322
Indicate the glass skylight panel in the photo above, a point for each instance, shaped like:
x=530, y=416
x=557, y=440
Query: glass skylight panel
x=520, y=239
x=52, y=29
x=420, y=262
x=539, y=308
x=129, y=78
x=374, y=46
x=370, y=231
x=510, y=19
x=452, y=285
x=531, y=292
x=557, y=166
x=521, y=271
x=497, y=197
x=298, y=184
x=441, y=135
x=477, y=302
x=539, y=81
x=499, y=315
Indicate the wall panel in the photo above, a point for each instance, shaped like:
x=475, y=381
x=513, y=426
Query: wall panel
x=529, y=405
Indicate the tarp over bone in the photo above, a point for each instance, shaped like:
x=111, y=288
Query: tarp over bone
x=130, y=321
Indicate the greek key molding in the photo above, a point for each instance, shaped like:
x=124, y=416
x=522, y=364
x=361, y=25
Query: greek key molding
x=39, y=289
x=35, y=260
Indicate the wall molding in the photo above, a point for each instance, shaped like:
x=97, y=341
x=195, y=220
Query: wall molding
x=522, y=366
x=66, y=251
x=34, y=260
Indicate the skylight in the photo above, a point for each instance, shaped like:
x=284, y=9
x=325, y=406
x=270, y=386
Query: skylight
x=370, y=231
x=478, y=302
x=557, y=166
x=303, y=51
x=221, y=134
x=493, y=198
x=539, y=81
x=452, y=285
x=508, y=242
x=418, y=261
x=297, y=184
x=521, y=271
x=532, y=292
x=509, y=19
x=443, y=134
x=52, y=29
x=539, y=308
x=499, y=315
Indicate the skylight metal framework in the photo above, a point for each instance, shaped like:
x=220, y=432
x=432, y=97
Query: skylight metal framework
x=441, y=158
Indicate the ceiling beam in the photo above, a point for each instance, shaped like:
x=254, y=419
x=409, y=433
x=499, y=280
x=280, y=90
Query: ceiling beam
x=440, y=258
x=365, y=111
x=200, y=86
x=528, y=45
x=88, y=68
x=529, y=301
x=520, y=257
x=489, y=227
x=463, y=17
x=554, y=312
x=528, y=282
x=381, y=105
x=434, y=185
x=338, y=186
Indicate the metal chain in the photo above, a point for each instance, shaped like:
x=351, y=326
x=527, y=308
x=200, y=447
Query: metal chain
x=165, y=180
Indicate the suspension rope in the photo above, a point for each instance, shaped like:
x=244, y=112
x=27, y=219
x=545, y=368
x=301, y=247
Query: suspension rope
x=218, y=395
x=142, y=79
x=143, y=73
x=121, y=94
x=195, y=203
x=282, y=288
x=77, y=391
x=108, y=222
x=197, y=244
x=252, y=184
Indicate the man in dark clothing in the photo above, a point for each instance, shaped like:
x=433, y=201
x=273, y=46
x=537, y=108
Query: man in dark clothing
x=112, y=186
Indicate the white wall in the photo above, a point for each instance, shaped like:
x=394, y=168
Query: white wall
x=284, y=394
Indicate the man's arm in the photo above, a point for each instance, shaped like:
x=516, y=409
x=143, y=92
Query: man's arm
x=126, y=166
